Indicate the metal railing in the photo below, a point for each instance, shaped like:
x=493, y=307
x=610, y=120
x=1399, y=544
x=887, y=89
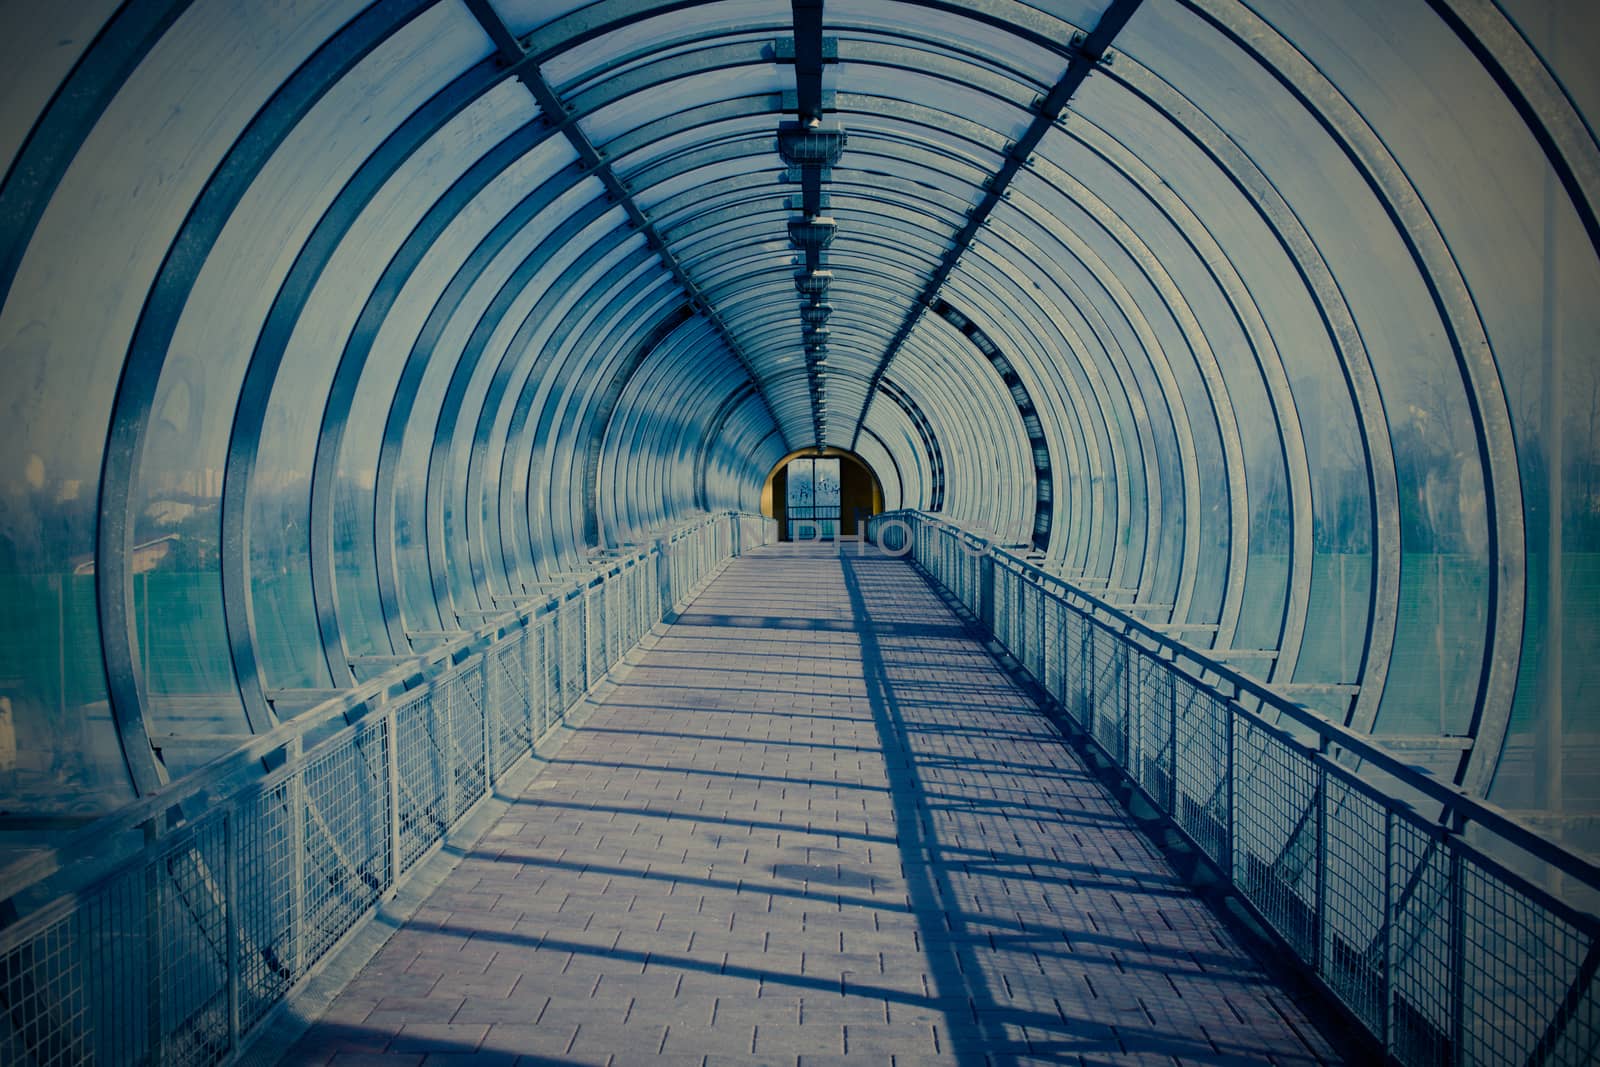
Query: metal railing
x=1396, y=891
x=168, y=932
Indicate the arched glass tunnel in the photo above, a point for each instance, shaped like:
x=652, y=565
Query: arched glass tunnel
x=329, y=326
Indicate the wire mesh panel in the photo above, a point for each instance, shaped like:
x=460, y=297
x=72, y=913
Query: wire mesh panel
x=46, y=997
x=618, y=617
x=548, y=671
x=891, y=536
x=510, y=685
x=1053, y=638
x=658, y=610
x=683, y=560
x=572, y=683
x=531, y=666
x=1008, y=589
x=649, y=593
x=639, y=575
x=1036, y=618
x=976, y=569
x=1019, y=619
x=967, y=573
x=1153, y=704
x=269, y=881
x=187, y=897
x=74, y=980
x=462, y=693
x=626, y=609
x=1029, y=627
x=1107, y=717
x=1355, y=925
x=594, y=628
x=101, y=989
x=346, y=831
x=1076, y=694
x=1277, y=832
x=551, y=669
x=1422, y=982
x=421, y=768
x=1200, y=803
x=1005, y=608
x=1528, y=986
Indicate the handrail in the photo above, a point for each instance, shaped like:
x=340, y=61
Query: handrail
x=237, y=768
x=1456, y=802
x=1434, y=943
x=182, y=941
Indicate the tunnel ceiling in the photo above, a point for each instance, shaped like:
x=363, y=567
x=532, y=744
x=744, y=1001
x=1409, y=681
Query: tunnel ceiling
x=329, y=326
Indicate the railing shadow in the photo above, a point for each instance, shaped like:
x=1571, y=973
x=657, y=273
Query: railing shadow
x=927, y=885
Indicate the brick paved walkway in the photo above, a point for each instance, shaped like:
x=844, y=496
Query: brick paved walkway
x=816, y=824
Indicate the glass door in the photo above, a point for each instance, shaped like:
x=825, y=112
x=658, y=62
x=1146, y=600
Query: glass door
x=813, y=499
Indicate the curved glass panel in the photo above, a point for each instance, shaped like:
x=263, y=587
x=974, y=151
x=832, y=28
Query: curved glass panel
x=64, y=331
x=36, y=54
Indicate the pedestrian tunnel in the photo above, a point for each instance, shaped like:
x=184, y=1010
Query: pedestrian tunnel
x=381, y=382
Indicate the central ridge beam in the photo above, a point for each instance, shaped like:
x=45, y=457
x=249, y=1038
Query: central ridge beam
x=808, y=59
x=526, y=70
x=1086, y=53
x=811, y=231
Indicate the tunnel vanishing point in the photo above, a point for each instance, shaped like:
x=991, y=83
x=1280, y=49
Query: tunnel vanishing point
x=772, y=531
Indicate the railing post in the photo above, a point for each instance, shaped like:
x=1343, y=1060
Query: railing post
x=534, y=714
x=1319, y=921
x=1039, y=630
x=985, y=591
x=1387, y=1036
x=550, y=664
x=1172, y=746
x=555, y=663
x=609, y=637
x=1091, y=680
x=636, y=591
x=1125, y=731
x=445, y=722
x=1048, y=608
x=1132, y=717
x=490, y=720
x=391, y=772
x=663, y=579
x=1228, y=865
x=230, y=915
x=602, y=611
x=1458, y=954
x=589, y=668
x=152, y=937
x=294, y=755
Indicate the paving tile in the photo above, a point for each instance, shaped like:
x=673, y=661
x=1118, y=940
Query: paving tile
x=817, y=820
x=438, y=1037
x=529, y=1039
x=470, y=1059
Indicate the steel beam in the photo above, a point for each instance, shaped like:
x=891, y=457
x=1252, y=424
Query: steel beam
x=1087, y=53
x=525, y=67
